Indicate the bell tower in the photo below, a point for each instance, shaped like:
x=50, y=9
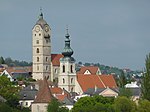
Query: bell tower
x=67, y=76
x=41, y=49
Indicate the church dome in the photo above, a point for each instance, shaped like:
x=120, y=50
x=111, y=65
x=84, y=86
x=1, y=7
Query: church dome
x=41, y=21
x=67, y=51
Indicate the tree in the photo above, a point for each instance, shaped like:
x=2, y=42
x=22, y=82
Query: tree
x=123, y=104
x=125, y=92
x=8, y=91
x=144, y=106
x=2, y=60
x=94, y=104
x=56, y=106
x=146, y=80
x=122, y=80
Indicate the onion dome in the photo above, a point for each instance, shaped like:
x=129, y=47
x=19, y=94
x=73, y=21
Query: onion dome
x=67, y=51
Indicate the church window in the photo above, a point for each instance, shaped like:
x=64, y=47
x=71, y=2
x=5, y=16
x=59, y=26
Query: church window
x=46, y=67
x=37, y=41
x=39, y=34
x=46, y=59
x=47, y=40
x=37, y=67
x=63, y=68
x=71, y=80
x=34, y=34
x=63, y=80
x=71, y=69
x=72, y=89
x=37, y=59
x=37, y=50
x=55, y=71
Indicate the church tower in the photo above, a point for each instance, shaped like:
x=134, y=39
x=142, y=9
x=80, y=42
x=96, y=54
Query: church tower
x=67, y=76
x=41, y=49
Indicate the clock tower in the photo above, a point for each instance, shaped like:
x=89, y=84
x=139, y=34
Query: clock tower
x=41, y=49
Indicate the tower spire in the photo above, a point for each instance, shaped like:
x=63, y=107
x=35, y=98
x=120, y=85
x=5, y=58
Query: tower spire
x=41, y=14
x=67, y=52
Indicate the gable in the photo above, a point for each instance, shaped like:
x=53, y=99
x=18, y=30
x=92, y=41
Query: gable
x=108, y=92
x=87, y=72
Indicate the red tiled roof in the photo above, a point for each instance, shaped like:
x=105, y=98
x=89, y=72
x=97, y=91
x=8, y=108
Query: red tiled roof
x=55, y=59
x=56, y=90
x=92, y=69
x=100, y=81
x=44, y=95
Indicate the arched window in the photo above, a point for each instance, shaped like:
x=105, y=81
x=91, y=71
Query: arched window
x=37, y=59
x=37, y=67
x=37, y=50
x=72, y=89
x=71, y=80
x=46, y=67
x=71, y=69
x=63, y=80
x=63, y=68
x=46, y=59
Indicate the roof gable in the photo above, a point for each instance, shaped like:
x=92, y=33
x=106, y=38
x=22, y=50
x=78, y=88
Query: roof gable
x=44, y=95
x=91, y=69
x=108, y=92
x=55, y=59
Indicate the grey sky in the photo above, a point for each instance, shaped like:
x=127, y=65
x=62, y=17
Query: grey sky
x=111, y=32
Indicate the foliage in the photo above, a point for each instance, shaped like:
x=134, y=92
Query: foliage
x=93, y=104
x=123, y=104
x=2, y=60
x=56, y=106
x=5, y=108
x=125, y=92
x=8, y=91
x=146, y=80
x=12, y=63
x=144, y=106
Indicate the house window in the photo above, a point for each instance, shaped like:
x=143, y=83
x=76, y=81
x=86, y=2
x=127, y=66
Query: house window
x=63, y=68
x=37, y=59
x=71, y=69
x=63, y=80
x=37, y=41
x=37, y=50
x=71, y=80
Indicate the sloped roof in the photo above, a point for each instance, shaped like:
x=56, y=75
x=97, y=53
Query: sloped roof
x=91, y=69
x=56, y=90
x=55, y=59
x=28, y=93
x=44, y=94
x=92, y=81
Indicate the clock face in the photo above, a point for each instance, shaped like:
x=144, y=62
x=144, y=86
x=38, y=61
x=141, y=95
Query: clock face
x=37, y=28
x=46, y=28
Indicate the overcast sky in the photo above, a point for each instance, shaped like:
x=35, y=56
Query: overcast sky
x=109, y=32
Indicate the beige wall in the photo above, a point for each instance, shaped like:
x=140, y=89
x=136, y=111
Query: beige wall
x=39, y=107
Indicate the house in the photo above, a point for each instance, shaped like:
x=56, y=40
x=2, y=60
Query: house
x=89, y=70
x=17, y=72
x=27, y=96
x=44, y=96
x=104, y=85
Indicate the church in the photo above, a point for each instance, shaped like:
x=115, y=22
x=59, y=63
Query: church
x=60, y=68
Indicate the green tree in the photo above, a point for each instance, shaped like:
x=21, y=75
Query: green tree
x=5, y=108
x=125, y=92
x=144, y=106
x=122, y=80
x=2, y=60
x=123, y=104
x=8, y=91
x=146, y=80
x=94, y=104
x=56, y=106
